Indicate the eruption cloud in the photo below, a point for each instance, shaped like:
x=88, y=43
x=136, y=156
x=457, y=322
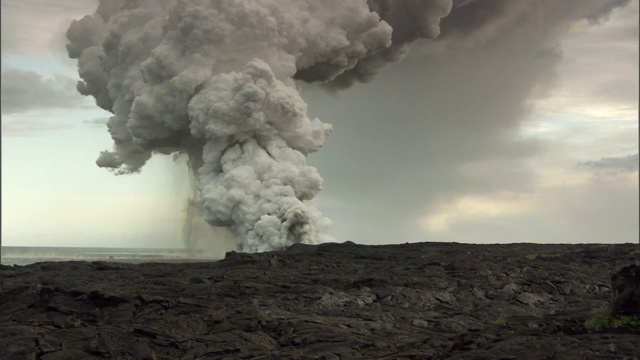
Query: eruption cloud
x=214, y=79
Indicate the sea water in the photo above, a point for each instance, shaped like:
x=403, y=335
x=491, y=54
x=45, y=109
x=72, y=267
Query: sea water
x=25, y=255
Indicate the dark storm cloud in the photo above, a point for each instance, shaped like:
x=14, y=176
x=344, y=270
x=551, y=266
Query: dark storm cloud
x=24, y=90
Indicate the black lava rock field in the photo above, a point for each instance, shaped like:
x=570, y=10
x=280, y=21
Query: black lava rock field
x=330, y=301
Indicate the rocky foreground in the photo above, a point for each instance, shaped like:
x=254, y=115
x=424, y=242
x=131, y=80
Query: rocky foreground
x=332, y=301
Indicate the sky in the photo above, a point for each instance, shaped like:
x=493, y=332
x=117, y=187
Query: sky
x=522, y=127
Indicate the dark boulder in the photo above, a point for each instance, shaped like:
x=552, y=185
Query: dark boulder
x=625, y=291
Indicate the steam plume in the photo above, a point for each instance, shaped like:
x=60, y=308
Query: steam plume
x=214, y=79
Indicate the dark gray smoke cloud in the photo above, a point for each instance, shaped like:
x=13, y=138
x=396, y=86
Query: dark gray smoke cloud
x=215, y=80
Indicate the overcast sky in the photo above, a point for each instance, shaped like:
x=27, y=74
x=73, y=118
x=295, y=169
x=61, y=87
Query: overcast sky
x=521, y=129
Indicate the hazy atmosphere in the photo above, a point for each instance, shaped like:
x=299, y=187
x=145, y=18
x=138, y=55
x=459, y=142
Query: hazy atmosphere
x=469, y=121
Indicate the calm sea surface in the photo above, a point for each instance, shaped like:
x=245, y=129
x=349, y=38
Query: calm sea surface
x=24, y=255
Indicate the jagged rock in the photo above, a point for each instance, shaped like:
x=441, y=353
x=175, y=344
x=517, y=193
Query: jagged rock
x=625, y=291
x=331, y=301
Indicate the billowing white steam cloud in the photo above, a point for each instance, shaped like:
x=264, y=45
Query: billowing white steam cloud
x=214, y=79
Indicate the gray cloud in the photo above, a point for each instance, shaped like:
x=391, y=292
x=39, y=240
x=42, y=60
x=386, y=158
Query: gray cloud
x=604, y=210
x=599, y=71
x=444, y=123
x=98, y=122
x=24, y=90
x=624, y=163
x=214, y=80
x=31, y=127
x=411, y=20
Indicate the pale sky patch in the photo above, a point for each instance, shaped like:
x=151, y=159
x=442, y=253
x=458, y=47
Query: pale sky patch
x=478, y=208
x=99, y=122
x=599, y=71
x=47, y=24
x=600, y=208
x=31, y=127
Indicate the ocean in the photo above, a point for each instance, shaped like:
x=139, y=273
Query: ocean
x=25, y=255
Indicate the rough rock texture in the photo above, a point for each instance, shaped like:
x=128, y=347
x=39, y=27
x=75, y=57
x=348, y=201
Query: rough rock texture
x=332, y=301
x=625, y=291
